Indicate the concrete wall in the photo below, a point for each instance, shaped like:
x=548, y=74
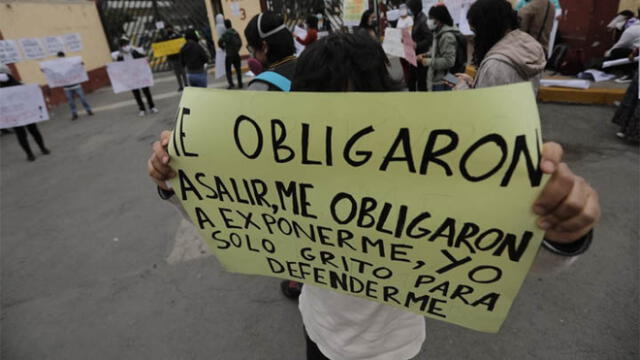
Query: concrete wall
x=23, y=19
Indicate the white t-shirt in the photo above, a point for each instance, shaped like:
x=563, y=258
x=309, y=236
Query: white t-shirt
x=349, y=328
x=404, y=23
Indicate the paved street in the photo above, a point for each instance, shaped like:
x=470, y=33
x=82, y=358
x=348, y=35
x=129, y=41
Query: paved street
x=95, y=266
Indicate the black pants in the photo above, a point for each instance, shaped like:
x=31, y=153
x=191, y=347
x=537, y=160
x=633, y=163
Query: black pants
x=313, y=353
x=21, y=133
x=417, y=78
x=147, y=94
x=181, y=75
x=235, y=61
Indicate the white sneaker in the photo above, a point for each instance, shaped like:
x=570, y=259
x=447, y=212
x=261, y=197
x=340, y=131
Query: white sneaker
x=154, y=110
x=142, y=113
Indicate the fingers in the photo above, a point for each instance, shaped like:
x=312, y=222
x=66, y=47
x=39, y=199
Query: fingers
x=576, y=227
x=158, y=164
x=556, y=190
x=156, y=176
x=551, y=156
x=160, y=152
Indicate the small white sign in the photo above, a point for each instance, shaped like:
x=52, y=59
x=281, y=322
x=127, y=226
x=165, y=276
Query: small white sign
x=54, y=45
x=32, y=48
x=129, y=75
x=21, y=105
x=64, y=71
x=9, y=52
x=72, y=42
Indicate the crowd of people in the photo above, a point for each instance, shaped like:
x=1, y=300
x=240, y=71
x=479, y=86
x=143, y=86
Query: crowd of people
x=338, y=326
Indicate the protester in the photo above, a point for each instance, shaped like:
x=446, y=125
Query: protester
x=194, y=58
x=536, y=19
x=405, y=21
x=629, y=41
x=231, y=43
x=340, y=326
x=423, y=38
x=369, y=23
x=220, y=28
x=70, y=91
x=271, y=43
x=442, y=56
x=627, y=115
x=312, y=31
x=126, y=53
x=174, y=59
x=7, y=80
x=502, y=53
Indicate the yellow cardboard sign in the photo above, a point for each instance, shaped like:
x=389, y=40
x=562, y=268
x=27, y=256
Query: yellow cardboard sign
x=169, y=47
x=421, y=201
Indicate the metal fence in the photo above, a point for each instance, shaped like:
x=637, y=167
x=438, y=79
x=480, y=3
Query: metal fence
x=296, y=11
x=142, y=21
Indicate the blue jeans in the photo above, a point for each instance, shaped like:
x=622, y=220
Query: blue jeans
x=69, y=93
x=441, y=87
x=197, y=79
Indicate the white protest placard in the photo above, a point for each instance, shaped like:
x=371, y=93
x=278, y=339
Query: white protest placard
x=302, y=34
x=32, y=48
x=129, y=75
x=9, y=52
x=21, y=105
x=54, y=44
x=73, y=42
x=392, y=44
x=221, y=56
x=64, y=71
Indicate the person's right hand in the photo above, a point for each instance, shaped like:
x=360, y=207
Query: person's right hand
x=158, y=164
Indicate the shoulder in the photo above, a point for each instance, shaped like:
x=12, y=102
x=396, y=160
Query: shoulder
x=495, y=71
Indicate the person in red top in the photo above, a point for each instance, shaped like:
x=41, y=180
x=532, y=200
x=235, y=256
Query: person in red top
x=312, y=31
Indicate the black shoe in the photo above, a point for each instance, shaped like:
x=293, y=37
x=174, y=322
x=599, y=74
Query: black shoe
x=89, y=112
x=45, y=151
x=241, y=86
x=231, y=87
x=74, y=117
x=30, y=157
x=291, y=289
x=180, y=89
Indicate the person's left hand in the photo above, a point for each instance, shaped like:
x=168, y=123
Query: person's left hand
x=568, y=206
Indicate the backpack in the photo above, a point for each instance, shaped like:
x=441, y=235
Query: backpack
x=460, y=65
x=234, y=43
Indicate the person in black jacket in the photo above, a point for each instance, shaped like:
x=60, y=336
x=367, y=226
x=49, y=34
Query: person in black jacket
x=128, y=52
x=174, y=59
x=423, y=38
x=231, y=43
x=7, y=80
x=194, y=58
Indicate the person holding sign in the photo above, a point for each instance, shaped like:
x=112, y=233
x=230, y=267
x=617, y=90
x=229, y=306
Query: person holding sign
x=423, y=38
x=443, y=56
x=128, y=52
x=7, y=80
x=70, y=91
x=340, y=326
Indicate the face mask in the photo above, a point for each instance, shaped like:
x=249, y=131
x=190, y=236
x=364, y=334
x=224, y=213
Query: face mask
x=431, y=24
x=404, y=12
x=4, y=77
x=374, y=23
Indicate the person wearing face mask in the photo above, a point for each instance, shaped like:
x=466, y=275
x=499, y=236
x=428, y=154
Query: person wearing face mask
x=405, y=21
x=271, y=43
x=442, y=57
x=423, y=38
x=128, y=52
x=536, y=19
x=174, y=59
x=312, y=31
x=369, y=23
x=7, y=80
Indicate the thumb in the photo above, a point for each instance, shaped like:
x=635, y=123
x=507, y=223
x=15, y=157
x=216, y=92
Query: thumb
x=551, y=157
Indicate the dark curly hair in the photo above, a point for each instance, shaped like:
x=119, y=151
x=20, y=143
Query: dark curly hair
x=491, y=20
x=343, y=62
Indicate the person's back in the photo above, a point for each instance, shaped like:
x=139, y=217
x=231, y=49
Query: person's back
x=192, y=55
x=536, y=19
x=231, y=42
